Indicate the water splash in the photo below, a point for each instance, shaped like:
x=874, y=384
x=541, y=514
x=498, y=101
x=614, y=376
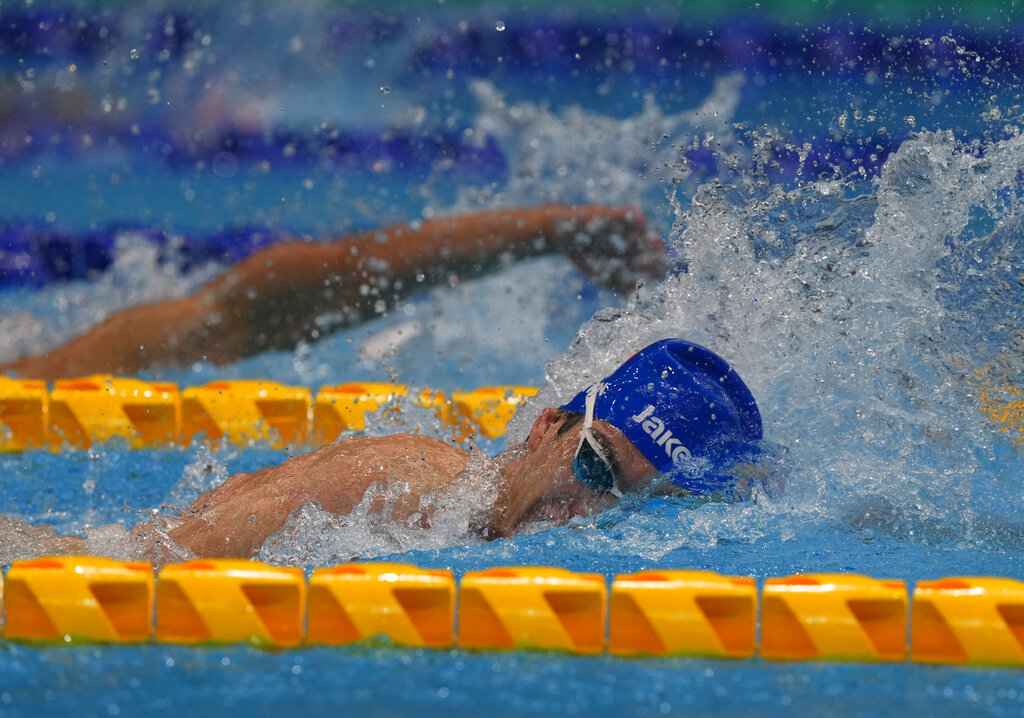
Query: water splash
x=839, y=310
x=582, y=157
x=207, y=470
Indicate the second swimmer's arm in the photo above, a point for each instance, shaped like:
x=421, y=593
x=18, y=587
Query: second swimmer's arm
x=273, y=298
x=277, y=297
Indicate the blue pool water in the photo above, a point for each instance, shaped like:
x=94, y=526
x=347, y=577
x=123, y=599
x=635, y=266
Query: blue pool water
x=842, y=199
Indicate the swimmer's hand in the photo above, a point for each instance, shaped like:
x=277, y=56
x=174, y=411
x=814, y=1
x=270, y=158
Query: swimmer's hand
x=616, y=248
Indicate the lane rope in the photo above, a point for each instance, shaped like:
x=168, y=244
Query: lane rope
x=76, y=413
x=823, y=616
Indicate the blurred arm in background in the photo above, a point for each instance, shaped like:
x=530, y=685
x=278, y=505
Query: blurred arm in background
x=273, y=298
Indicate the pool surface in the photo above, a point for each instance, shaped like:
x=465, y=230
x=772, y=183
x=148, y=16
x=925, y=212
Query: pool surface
x=842, y=199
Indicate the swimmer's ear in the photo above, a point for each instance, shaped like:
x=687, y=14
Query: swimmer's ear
x=540, y=427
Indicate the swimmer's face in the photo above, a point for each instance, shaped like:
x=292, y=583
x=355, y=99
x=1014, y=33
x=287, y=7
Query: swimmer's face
x=543, y=485
x=555, y=438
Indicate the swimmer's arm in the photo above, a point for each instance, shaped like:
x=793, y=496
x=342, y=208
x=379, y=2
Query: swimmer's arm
x=274, y=299
x=298, y=290
x=169, y=333
x=21, y=539
x=362, y=272
x=236, y=518
x=473, y=244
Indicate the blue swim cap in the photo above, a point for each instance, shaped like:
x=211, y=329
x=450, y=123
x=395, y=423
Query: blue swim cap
x=684, y=408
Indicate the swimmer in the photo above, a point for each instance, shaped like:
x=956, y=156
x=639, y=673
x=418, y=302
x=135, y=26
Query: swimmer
x=674, y=410
x=298, y=291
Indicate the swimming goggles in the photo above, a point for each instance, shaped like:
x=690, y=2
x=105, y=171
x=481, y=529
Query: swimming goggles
x=590, y=464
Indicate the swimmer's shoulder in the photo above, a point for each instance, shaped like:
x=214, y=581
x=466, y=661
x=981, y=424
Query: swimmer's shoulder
x=398, y=449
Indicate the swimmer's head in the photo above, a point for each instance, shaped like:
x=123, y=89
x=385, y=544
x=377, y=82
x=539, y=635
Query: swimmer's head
x=682, y=406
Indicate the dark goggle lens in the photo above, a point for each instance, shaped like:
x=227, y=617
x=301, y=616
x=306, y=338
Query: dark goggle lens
x=592, y=470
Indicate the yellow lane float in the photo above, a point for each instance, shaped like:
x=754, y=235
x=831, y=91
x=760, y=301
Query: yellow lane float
x=835, y=617
x=78, y=413
x=693, y=613
x=548, y=608
x=230, y=601
x=79, y=598
x=247, y=411
x=968, y=620
x=24, y=414
x=977, y=621
x=410, y=606
x=98, y=408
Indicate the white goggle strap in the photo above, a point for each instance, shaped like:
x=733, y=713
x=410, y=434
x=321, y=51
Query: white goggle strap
x=587, y=435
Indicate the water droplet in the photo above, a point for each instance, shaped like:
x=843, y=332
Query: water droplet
x=499, y=26
x=135, y=54
x=384, y=89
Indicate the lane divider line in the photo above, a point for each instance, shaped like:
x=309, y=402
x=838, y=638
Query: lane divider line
x=818, y=617
x=78, y=413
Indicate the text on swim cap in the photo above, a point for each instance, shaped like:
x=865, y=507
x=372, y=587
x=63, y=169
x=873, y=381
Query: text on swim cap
x=655, y=428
